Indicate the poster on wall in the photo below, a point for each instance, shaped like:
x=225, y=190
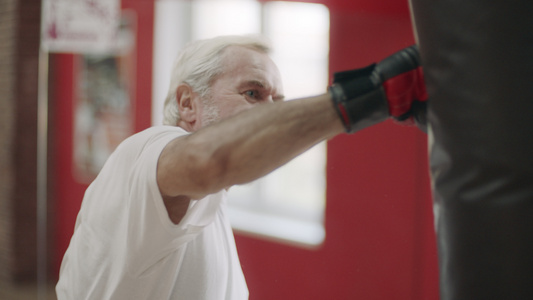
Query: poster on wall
x=80, y=26
x=103, y=102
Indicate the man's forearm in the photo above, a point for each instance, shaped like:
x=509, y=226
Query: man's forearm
x=266, y=137
x=249, y=145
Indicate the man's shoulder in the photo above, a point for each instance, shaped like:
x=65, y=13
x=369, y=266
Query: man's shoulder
x=155, y=132
x=161, y=129
x=136, y=143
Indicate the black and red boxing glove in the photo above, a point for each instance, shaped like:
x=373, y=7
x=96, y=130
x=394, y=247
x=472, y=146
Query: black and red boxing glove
x=393, y=88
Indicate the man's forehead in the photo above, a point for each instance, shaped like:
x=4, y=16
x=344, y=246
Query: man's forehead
x=253, y=67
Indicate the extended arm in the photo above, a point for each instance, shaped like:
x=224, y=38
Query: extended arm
x=245, y=147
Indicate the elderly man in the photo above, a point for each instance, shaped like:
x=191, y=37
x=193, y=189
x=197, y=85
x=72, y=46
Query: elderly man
x=153, y=224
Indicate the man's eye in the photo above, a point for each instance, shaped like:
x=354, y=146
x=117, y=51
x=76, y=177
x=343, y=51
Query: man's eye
x=251, y=94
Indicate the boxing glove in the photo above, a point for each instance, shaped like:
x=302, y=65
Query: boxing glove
x=393, y=88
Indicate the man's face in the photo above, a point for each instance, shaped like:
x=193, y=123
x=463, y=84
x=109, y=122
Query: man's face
x=249, y=78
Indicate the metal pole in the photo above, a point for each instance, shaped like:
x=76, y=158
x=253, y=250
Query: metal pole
x=42, y=144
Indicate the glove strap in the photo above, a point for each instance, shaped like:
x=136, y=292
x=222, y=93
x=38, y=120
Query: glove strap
x=339, y=98
x=360, y=111
x=347, y=87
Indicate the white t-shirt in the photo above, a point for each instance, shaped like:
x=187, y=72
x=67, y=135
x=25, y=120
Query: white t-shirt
x=126, y=247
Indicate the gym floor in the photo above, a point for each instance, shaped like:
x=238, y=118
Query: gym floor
x=25, y=292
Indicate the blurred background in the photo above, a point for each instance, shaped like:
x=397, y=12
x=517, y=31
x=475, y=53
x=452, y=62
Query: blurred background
x=350, y=219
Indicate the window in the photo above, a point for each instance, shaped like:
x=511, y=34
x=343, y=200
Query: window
x=288, y=204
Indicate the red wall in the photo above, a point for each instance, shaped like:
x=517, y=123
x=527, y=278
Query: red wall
x=379, y=226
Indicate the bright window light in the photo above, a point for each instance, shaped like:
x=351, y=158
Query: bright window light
x=212, y=18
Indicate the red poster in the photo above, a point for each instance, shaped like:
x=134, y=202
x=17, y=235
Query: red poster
x=103, y=110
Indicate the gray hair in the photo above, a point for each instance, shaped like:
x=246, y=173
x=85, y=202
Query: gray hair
x=199, y=63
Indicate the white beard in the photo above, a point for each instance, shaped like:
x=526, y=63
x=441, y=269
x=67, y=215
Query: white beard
x=210, y=113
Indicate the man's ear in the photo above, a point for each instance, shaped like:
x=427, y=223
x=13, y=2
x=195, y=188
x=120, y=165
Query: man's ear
x=185, y=97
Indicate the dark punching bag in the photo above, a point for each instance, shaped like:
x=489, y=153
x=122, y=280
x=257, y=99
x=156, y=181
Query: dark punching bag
x=478, y=65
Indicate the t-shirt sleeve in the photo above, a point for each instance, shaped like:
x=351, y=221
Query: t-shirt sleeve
x=147, y=206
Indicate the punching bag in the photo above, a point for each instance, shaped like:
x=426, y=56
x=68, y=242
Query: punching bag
x=478, y=64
